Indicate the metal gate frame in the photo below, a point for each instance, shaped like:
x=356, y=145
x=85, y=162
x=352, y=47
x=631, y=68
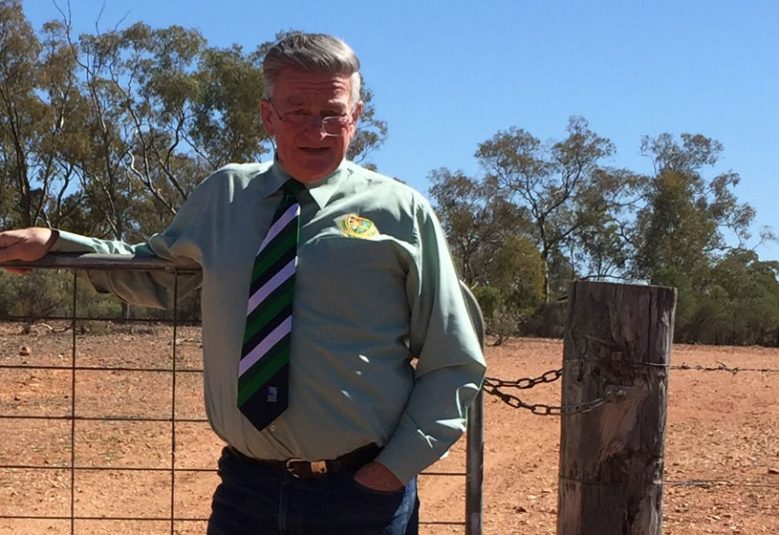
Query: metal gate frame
x=474, y=470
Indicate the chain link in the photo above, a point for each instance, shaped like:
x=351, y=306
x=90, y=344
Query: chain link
x=527, y=382
x=492, y=386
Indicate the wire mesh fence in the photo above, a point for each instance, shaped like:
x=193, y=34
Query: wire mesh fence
x=105, y=428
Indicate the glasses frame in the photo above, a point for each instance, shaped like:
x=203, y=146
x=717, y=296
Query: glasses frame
x=322, y=123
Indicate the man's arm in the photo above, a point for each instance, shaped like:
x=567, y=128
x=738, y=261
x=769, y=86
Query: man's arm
x=151, y=289
x=450, y=365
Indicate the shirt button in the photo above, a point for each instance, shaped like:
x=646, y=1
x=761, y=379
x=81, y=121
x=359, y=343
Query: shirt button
x=272, y=428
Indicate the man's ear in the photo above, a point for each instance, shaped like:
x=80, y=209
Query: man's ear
x=358, y=111
x=268, y=117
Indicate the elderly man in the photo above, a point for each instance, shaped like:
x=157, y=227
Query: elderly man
x=321, y=282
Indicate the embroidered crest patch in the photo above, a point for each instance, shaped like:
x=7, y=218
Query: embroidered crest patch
x=354, y=226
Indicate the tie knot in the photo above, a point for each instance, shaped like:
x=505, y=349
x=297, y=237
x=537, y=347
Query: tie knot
x=292, y=187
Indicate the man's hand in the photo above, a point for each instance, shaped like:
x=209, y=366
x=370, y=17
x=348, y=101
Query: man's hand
x=376, y=476
x=25, y=245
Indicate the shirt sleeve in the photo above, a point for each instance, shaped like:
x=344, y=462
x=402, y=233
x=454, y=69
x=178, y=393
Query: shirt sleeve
x=450, y=361
x=143, y=288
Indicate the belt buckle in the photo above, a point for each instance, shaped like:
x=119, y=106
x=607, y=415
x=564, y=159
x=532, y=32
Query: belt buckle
x=314, y=468
x=318, y=468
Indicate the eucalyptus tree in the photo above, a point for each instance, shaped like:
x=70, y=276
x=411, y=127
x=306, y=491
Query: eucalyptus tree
x=137, y=83
x=478, y=221
x=38, y=96
x=739, y=304
x=566, y=193
x=686, y=215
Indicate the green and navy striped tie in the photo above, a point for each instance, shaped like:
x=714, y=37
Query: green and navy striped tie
x=263, y=373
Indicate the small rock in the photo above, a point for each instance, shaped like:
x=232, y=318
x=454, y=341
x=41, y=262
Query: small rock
x=773, y=470
x=24, y=351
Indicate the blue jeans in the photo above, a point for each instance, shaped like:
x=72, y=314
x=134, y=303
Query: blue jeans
x=254, y=499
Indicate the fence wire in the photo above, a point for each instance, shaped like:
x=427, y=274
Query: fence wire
x=498, y=388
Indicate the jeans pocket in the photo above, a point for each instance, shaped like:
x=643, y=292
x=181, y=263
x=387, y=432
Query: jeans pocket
x=375, y=492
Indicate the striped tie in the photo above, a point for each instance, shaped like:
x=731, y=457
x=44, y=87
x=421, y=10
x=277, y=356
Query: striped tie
x=263, y=374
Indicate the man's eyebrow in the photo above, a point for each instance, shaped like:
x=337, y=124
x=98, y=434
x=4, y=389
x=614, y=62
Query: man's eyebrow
x=337, y=104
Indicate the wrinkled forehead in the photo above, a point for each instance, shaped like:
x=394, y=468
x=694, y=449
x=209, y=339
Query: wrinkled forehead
x=293, y=86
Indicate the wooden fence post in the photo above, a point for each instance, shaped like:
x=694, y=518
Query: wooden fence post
x=617, y=349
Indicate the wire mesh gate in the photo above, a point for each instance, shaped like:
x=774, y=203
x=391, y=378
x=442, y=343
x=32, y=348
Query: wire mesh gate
x=88, y=486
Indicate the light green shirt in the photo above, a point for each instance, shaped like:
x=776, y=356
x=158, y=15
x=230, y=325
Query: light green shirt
x=371, y=292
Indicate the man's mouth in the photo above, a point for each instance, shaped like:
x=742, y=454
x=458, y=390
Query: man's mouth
x=315, y=150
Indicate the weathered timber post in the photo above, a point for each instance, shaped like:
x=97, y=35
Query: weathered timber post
x=617, y=349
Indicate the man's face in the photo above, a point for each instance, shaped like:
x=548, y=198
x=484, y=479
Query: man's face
x=306, y=151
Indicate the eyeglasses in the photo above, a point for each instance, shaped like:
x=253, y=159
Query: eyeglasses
x=332, y=125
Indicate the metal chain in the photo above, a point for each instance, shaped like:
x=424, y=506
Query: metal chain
x=492, y=386
x=527, y=382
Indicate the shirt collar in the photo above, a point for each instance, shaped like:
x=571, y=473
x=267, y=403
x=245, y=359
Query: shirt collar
x=321, y=191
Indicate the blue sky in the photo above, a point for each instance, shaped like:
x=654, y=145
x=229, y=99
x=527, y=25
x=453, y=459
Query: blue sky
x=447, y=75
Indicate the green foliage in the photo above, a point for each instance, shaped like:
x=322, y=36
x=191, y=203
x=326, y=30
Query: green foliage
x=736, y=302
x=569, y=200
x=39, y=294
x=46, y=293
x=740, y=303
x=515, y=288
x=477, y=220
x=491, y=303
x=500, y=320
x=517, y=271
x=683, y=221
x=544, y=214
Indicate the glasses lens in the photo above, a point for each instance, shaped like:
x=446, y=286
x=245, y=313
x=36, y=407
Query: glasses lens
x=334, y=124
x=298, y=119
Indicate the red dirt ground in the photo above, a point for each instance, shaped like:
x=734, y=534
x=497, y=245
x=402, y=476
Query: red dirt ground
x=722, y=447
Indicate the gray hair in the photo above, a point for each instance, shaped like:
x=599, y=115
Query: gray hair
x=311, y=52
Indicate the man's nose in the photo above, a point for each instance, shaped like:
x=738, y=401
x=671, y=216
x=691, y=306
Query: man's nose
x=317, y=125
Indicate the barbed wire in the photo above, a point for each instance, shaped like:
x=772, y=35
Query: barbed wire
x=721, y=367
x=710, y=483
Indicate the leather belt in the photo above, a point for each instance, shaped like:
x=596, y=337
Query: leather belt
x=304, y=469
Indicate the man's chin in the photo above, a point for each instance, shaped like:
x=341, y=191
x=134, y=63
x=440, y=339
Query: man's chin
x=313, y=173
